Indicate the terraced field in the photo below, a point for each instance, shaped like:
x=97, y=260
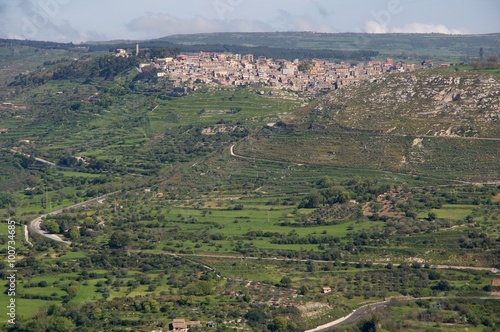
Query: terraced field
x=431, y=123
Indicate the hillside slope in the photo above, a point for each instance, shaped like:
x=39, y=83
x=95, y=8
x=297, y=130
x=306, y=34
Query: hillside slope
x=436, y=123
x=430, y=103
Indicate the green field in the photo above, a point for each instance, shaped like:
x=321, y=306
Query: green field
x=453, y=212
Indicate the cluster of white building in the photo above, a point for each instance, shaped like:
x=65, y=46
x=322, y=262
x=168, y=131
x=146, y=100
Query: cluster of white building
x=309, y=76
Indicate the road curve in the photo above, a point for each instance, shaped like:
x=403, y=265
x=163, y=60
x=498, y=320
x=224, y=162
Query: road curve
x=231, y=150
x=369, y=307
x=37, y=159
x=35, y=223
x=493, y=182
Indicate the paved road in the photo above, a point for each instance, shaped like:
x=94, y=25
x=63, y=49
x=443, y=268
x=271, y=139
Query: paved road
x=361, y=311
x=447, y=267
x=37, y=159
x=36, y=227
x=260, y=159
x=65, y=167
x=493, y=182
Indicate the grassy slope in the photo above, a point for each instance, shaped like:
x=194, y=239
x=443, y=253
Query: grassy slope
x=364, y=127
x=134, y=124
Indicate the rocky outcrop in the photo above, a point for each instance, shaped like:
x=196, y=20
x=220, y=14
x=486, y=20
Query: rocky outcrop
x=428, y=102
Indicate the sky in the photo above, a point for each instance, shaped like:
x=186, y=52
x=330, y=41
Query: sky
x=96, y=20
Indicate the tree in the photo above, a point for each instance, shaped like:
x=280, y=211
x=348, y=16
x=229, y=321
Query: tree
x=26, y=162
x=304, y=66
x=154, y=305
x=442, y=285
x=432, y=215
x=72, y=291
x=119, y=239
x=280, y=324
x=88, y=222
x=325, y=182
x=74, y=233
x=7, y=200
x=434, y=275
x=311, y=266
x=411, y=213
x=61, y=324
x=285, y=282
x=371, y=325
x=97, y=313
x=51, y=226
x=492, y=62
x=205, y=287
x=255, y=316
x=200, y=288
x=313, y=200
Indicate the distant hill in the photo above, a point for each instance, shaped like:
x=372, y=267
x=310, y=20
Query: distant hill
x=257, y=50
x=291, y=45
x=345, y=46
x=464, y=47
x=441, y=123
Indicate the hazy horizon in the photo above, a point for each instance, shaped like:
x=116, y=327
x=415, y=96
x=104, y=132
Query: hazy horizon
x=69, y=20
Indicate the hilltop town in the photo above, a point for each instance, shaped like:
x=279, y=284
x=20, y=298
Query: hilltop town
x=308, y=76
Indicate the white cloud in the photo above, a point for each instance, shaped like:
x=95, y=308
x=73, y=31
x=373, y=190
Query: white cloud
x=287, y=21
x=29, y=19
x=153, y=25
x=160, y=24
x=61, y=31
x=375, y=27
x=428, y=28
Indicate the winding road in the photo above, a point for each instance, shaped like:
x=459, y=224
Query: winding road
x=361, y=311
x=35, y=225
x=37, y=159
x=356, y=314
x=231, y=150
